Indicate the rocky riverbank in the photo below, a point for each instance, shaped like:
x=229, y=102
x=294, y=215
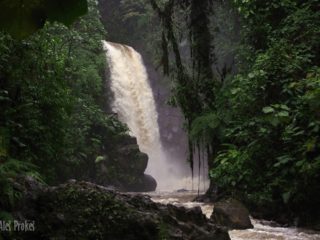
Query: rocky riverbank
x=275, y=213
x=82, y=210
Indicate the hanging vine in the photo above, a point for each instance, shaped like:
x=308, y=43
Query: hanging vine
x=194, y=92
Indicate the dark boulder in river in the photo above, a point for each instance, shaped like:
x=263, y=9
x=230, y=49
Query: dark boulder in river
x=82, y=210
x=232, y=214
x=145, y=183
x=182, y=190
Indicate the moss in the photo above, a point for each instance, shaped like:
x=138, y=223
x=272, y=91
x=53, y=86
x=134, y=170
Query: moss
x=163, y=231
x=82, y=212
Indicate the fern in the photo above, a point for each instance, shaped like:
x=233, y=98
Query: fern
x=12, y=166
x=9, y=170
x=6, y=216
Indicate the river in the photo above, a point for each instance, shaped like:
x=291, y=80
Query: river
x=262, y=229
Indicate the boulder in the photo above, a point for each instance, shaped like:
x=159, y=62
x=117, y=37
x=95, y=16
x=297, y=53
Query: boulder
x=145, y=183
x=182, y=190
x=124, y=168
x=232, y=214
x=82, y=210
x=130, y=158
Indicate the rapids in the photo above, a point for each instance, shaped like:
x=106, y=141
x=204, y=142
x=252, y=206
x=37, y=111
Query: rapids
x=263, y=230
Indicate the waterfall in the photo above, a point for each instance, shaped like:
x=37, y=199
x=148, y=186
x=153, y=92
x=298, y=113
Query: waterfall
x=135, y=105
x=133, y=98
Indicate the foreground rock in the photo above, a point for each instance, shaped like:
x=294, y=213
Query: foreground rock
x=82, y=210
x=232, y=214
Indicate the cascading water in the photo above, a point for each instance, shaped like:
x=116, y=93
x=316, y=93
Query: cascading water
x=263, y=230
x=135, y=105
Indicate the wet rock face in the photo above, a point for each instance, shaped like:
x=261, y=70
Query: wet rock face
x=82, y=210
x=232, y=214
x=124, y=168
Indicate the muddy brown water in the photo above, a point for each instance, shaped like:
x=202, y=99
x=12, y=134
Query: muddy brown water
x=263, y=230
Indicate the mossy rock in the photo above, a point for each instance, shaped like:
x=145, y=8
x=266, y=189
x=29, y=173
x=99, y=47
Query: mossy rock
x=82, y=210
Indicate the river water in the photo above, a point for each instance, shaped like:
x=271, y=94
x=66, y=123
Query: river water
x=262, y=229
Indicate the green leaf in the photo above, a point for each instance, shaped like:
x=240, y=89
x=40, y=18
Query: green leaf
x=283, y=114
x=282, y=160
x=284, y=107
x=300, y=163
x=268, y=110
x=234, y=91
x=251, y=75
x=100, y=159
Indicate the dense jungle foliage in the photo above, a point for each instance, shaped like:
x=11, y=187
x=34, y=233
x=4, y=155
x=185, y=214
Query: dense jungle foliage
x=265, y=118
x=53, y=121
x=246, y=75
